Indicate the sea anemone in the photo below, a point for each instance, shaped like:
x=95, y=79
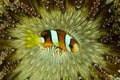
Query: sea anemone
x=24, y=58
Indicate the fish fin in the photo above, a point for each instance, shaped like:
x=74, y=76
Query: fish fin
x=32, y=39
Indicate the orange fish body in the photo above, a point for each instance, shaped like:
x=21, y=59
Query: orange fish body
x=59, y=39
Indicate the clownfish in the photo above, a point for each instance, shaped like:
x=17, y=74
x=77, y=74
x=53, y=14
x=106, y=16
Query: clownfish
x=56, y=38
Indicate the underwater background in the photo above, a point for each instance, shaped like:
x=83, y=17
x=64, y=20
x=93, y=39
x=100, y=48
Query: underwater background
x=94, y=24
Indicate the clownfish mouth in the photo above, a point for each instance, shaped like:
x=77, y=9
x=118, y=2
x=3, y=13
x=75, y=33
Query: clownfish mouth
x=75, y=47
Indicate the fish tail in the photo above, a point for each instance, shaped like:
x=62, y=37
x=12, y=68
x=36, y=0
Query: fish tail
x=32, y=39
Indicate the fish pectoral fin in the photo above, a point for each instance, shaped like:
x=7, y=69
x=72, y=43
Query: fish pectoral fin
x=57, y=44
